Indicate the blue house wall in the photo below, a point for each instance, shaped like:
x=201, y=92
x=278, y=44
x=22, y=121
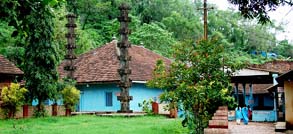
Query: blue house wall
x=263, y=115
x=268, y=101
x=262, y=107
x=93, y=96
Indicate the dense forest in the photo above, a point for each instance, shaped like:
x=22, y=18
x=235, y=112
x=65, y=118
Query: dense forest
x=157, y=25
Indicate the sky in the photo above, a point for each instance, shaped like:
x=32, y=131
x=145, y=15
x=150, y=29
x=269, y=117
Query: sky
x=283, y=14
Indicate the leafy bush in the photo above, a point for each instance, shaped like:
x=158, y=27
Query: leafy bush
x=41, y=112
x=170, y=98
x=70, y=96
x=13, y=97
x=146, y=106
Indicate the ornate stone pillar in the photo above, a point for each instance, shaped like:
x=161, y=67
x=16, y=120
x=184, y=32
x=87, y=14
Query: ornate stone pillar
x=124, y=58
x=70, y=56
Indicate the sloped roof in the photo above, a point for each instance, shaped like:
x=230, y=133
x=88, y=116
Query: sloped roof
x=279, y=66
x=101, y=64
x=250, y=72
x=7, y=67
x=252, y=75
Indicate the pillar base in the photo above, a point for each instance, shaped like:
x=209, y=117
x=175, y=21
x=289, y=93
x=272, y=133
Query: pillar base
x=127, y=111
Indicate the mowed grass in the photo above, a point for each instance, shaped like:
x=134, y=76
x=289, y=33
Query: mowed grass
x=91, y=124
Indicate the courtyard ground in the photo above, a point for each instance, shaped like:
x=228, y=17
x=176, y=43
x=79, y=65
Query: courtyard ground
x=253, y=128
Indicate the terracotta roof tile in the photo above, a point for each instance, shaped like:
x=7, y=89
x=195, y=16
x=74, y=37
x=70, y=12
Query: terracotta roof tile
x=101, y=64
x=7, y=67
x=275, y=66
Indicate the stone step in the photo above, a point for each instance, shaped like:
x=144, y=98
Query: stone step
x=216, y=131
x=280, y=126
x=223, y=108
x=221, y=113
x=220, y=118
x=218, y=123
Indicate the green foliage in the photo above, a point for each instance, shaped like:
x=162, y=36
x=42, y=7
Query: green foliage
x=34, y=26
x=88, y=40
x=40, y=112
x=182, y=27
x=198, y=80
x=171, y=21
x=171, y=98
x=91, y=11
x=70, y=96
x=13, y=97
x=41, y=55
x=146, y=106
x=155, y=10
x=254, y=9
x=159, y=75
x=284, y=49
x=59, y=39
x=11, y=47
x=154, y=37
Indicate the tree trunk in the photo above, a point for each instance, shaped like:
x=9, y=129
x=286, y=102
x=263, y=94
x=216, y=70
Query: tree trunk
x=40, y=109
x=10, y=114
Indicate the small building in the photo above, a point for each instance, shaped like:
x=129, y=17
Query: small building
x=8, y=73
x=97, y=77
x=257, y=84
x=285, y=83
x=251, y=89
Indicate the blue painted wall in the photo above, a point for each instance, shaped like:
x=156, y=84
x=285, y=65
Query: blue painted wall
x=93, y=97
x=47, y=102
x=268, y=101
x=263, y=115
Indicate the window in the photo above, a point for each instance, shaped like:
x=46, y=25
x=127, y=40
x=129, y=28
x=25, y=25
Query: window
x=109, y=99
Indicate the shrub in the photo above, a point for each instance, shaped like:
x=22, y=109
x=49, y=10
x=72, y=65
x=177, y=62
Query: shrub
x=70, y=96
x=146, y=106
x=13, y=97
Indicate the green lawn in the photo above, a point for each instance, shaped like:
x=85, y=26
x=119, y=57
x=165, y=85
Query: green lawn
x=90, y=124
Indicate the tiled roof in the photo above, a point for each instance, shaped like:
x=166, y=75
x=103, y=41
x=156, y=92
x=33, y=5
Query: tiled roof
x=7, y=67
x=275, y=66
x=101, y=64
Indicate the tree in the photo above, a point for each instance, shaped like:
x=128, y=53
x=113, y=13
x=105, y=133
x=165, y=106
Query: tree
x=284, y=49
x=182, y=27
x=154, y=37
x=94, y=12
x=13, y=97
x=259, y=9
x=198, y=80
x=33, y=21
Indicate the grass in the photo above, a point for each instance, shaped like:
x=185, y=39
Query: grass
x=90, y=124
